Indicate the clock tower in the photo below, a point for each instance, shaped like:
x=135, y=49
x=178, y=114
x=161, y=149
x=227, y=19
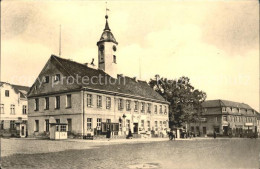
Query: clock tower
x=107, y=47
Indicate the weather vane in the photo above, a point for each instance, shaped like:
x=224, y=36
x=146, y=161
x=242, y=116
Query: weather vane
x=106, y=8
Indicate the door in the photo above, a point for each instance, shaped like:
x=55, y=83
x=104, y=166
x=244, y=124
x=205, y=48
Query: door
x=135, y=127
x=225, y=130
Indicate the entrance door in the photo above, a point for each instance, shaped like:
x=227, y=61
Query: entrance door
x=225, y=130
x=135, y=127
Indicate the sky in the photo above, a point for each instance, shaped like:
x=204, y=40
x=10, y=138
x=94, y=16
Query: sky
x=214, y=43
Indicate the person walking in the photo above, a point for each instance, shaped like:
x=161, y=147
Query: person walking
x=108, y=134
x=173, y=134
x=215, y=134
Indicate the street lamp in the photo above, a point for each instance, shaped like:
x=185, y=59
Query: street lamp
x=124, y=128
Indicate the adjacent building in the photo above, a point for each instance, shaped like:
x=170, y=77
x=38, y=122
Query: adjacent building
x=92, y=100
x=225, y=118
x=13, y=108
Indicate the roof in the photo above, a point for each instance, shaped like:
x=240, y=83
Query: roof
x=225, y=103
x=107, y=35
x=122, y=85
x=18, y=89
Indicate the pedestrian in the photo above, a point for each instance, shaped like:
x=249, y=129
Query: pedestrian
x=108, y=134
x=215, y=134
x=130, y=135
x=173, y=134
x=170, y=133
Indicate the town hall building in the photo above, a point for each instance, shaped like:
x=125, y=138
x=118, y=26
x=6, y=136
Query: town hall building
x=91, y=101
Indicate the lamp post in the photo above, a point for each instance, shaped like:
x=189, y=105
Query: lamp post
x=124, y=128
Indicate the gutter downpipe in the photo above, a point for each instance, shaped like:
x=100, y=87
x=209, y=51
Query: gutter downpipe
x=83, y=113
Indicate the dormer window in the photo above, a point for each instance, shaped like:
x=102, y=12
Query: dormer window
x=224, y=109
x=46, y=79
x=57, y=77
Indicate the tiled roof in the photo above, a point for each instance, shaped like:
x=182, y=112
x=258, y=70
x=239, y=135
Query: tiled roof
x=225, y=103
x=18, y=88
x=129, y=86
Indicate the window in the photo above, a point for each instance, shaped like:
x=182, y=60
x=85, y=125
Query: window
x=120, y=104
x=224, y=109
x=46, y=79
x=36, y=125
x=63, y=128
x=2, y=109
x=165, y=109
x=108, y=102
x=47, y=103
x=47, y=125
x=69, y=121
x=2, y=125
x=149, y=108
x=148, y=125
x=161, y=109
x=142, y=107
x=136, y=105
x=36, y=104
x=216, y=119
x=114, y=58
x=128, y=105
x=99, y=120
x=24, y=109
x=155, y=109
x=12, y=124
x=156, y=125
x=160, y=124
x=12, y=109
x=57, y=121
x=108, y=121
x=142, y=124
x=224, y=118
x=6, y=93
x=89, y=123
x=57, y=77
x=89, y=100
x=68, y=103
x=57, y=102
x=99, y=101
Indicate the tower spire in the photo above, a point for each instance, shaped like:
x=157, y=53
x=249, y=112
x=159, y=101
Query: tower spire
x=107, y=26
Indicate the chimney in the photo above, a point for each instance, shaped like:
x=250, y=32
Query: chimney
x=135, y=79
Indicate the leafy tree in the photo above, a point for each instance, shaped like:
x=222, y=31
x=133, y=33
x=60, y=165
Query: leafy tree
x=185, y=100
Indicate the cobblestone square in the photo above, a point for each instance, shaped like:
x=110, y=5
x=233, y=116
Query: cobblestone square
x=150, y=153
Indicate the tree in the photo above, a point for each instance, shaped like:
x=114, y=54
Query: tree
x=185, y=100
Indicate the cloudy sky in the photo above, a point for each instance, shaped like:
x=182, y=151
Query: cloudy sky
x=214, y=43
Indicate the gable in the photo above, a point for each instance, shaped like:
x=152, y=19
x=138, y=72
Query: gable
x=50, y=70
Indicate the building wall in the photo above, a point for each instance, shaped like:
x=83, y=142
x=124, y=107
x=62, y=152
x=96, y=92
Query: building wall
x=76, y=112
x=63, y=113
x=235, y=120
x=13, y=99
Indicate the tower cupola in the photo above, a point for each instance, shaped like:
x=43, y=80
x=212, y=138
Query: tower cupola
x=107, y=47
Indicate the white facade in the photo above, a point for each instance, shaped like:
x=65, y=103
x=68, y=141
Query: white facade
x=13, y=107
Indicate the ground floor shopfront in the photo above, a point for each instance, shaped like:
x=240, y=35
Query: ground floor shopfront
x=224, y=129
x=13, y=127
x=100, y=124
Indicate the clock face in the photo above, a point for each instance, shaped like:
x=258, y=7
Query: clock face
x=114, y=48
x=101, y=48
